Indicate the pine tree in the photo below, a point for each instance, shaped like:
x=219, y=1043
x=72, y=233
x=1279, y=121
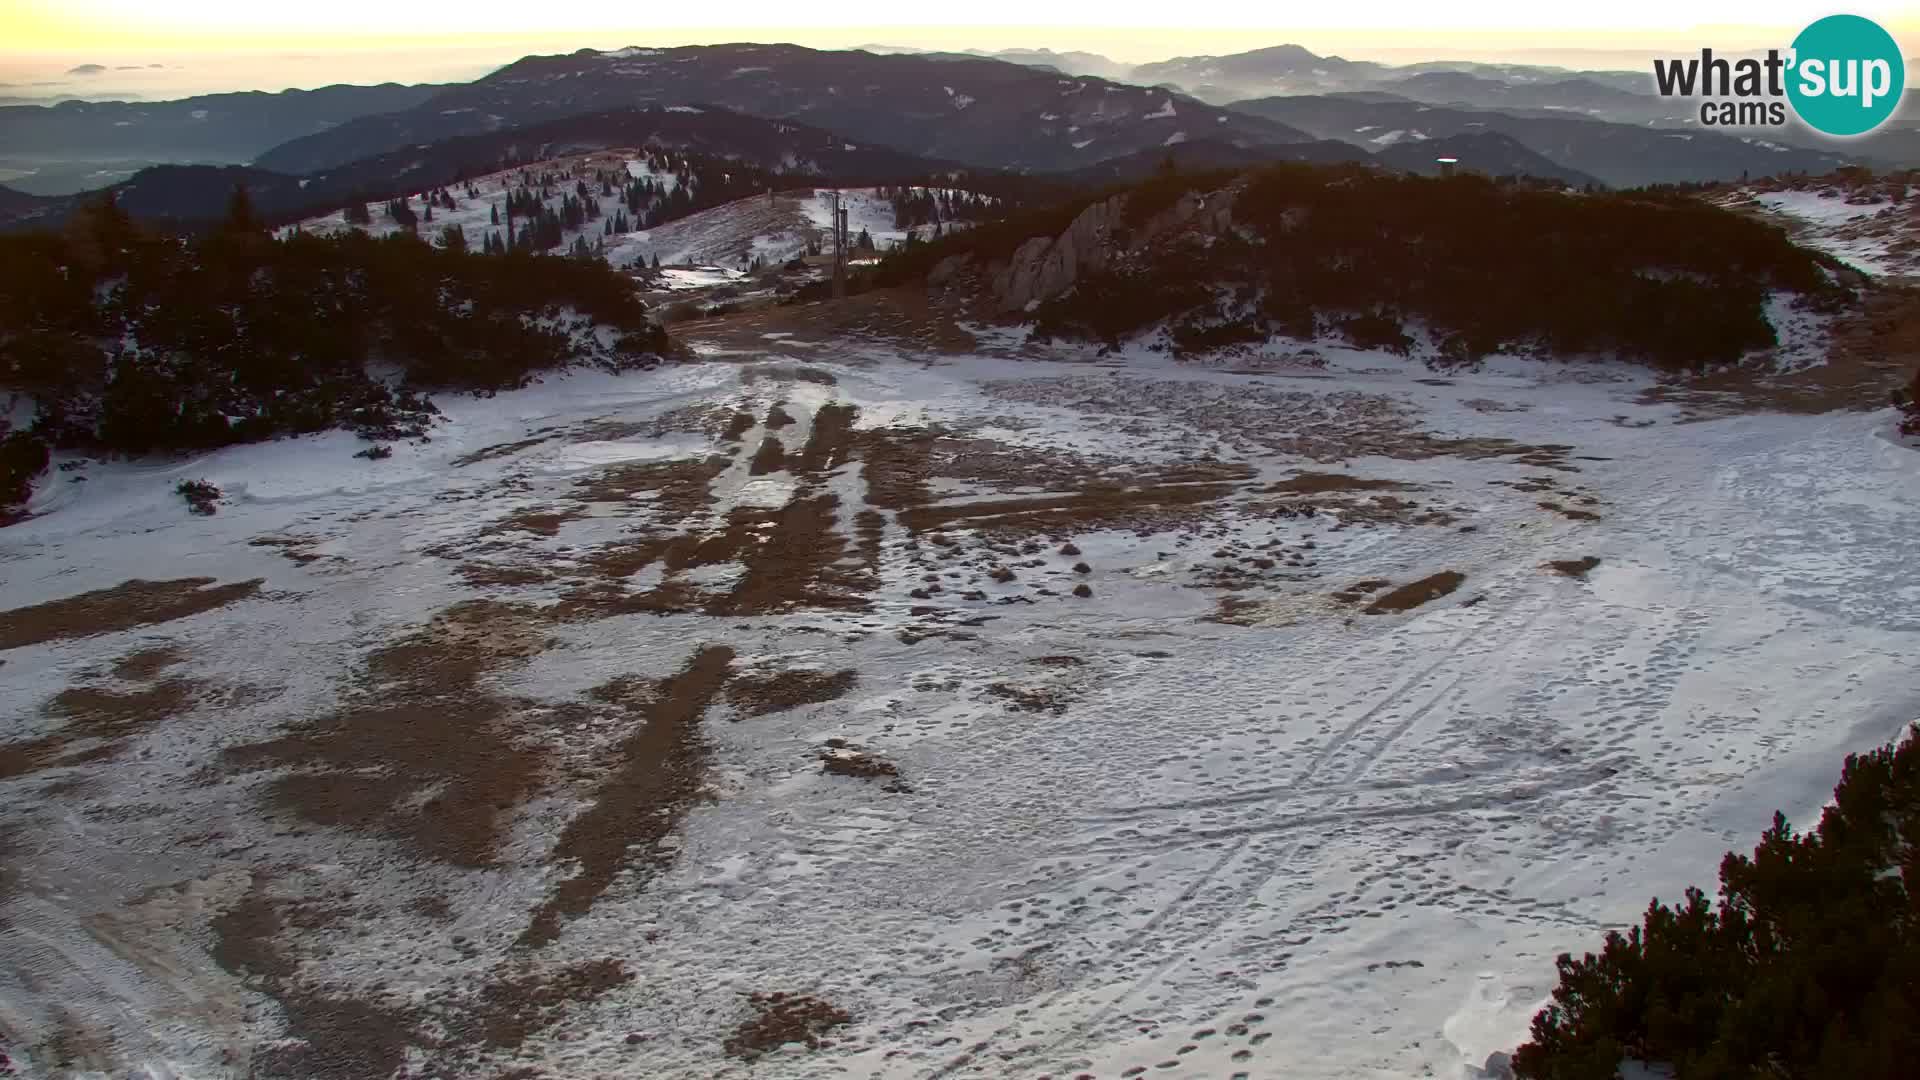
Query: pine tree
x=357, y=213
x=493, y=214
x=656, y=260
x=240, y=214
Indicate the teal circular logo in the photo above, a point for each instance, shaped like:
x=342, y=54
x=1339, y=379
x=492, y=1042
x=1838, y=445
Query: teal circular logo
x=1847, y=75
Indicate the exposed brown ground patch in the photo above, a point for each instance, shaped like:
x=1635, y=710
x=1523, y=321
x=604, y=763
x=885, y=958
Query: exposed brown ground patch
x=1350, y=505
x=297, y=549
x=1575, y=568
x=1094, y=509
x=539, y=521
x=790, y=556
x=1358, y=591
x=778, y=417
x=993, y=464
x=1531, y=484
x=842, y=758
x=1033, y=699
x=679, y=487
x=741, y=423
x=898, y=316
x=123, y=607
x=143, y=664
x=328, y=1037
x=98, y=722
x=1194, y=472
x=1415, y=593
x=1494, y=405
x=500, y=450
x=660, y=772
x=795, y=564
x=771, y=457
x=787, y=373
x=482, y=575
x=830, y=442
x=870, y=528
x=1568, y=512
x=515, y=1005
x=419, y=752
x=781, y=1018
x=705, y=418
x=759, y=694
x=896, y=464
x=1319, y=483
x=13, y=854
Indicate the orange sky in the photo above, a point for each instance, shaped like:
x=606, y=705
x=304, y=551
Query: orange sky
x=231, y=44
x=200, y=25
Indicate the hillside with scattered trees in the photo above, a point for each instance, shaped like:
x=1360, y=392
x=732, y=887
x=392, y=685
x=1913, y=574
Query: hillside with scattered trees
x=134, y=342
x=1808, y=964
x=1448, y=269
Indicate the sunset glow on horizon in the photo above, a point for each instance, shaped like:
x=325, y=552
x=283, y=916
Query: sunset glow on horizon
x=149, y=50
x=67, y=25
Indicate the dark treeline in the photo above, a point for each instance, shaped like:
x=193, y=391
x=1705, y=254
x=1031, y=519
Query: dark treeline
x=1480, y=266
x=131, y=341
x=917, y=206
x=1807, y=966
x=535, y=211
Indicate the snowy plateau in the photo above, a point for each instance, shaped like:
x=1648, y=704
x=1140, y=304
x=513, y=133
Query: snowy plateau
x=1008, y=711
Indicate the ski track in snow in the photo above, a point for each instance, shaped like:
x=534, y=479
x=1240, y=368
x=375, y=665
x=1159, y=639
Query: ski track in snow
x=1327, y=844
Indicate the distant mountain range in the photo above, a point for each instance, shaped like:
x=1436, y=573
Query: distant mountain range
x=1205, y=154
x=16, y=202
x=1487, y=153
x=1285, y=70
x=981, y=112
x=1067, y=63
x=1620, y=155
x=878, y=114
x=216, y=127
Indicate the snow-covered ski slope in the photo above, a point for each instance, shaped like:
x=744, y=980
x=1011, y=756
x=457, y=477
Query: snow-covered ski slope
x=771, y=230
x=1252, y=808
x=732, y=234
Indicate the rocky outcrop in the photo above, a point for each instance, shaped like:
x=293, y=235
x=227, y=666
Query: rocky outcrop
x=1044, y=267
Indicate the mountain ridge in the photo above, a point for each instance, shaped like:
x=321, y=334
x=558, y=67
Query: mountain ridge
x=1621, y=155
x=769, y=149
x=980, y=112
x=228, y=128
